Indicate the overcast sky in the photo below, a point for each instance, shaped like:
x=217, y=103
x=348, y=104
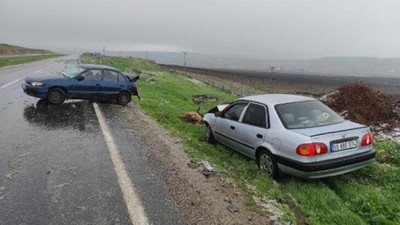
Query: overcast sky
x=271, y=29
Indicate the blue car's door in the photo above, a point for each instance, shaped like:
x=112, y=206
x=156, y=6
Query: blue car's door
x=90, y=85
x=111, y=84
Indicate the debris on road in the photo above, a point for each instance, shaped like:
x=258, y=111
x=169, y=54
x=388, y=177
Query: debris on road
x=231, y=208
x=227, y=199
x=208, y=169
x=207, y=165
x=192, y=117
x=192, y=165
x=198, y=99
x=9, y=176
x=208, y=173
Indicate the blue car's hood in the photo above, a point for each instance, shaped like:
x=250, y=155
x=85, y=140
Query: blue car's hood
x=46, y=78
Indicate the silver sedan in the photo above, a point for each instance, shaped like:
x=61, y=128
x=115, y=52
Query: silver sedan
x=290, y=134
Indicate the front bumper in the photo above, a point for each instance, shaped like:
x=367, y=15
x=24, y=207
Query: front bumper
x=325, y=168
x=39, y=91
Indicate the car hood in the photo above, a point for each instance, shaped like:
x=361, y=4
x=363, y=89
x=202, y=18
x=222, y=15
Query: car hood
x=45, y=78
x=131, y=77
x=313, y=131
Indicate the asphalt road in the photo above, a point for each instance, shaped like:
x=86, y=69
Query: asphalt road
x=73, y=164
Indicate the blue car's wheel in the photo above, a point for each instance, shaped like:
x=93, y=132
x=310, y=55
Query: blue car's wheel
x=124, y=98
x=56, y=96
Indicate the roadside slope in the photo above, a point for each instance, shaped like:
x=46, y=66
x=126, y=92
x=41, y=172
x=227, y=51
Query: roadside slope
x=367, y=196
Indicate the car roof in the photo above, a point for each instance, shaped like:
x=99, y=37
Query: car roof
x=276, y=99
x=94, y=66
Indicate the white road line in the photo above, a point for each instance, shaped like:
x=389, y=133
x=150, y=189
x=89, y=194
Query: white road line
x=11, y=83
x=37, y=71
x=132, y=201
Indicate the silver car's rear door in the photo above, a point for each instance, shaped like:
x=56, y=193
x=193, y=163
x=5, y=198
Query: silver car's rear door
x=251, y=131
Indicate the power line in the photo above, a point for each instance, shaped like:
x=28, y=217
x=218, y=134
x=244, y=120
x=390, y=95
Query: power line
x=184, y=61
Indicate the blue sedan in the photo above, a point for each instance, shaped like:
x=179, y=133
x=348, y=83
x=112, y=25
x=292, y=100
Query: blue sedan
x=85, y=81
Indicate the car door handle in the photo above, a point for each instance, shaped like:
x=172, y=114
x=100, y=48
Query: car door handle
x=97, y=85
x=259, y=136
x=122, y=85
x=232, y=127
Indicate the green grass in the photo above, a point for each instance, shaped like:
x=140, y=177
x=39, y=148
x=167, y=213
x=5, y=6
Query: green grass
x=23, y=59
x=367, y=196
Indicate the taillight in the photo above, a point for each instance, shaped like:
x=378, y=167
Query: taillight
x=312, y=149
x=367, y=139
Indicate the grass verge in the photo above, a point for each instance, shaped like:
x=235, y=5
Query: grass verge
x=24, y=59
x=368, y=196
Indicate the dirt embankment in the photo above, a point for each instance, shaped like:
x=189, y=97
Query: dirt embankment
x=204, y=200
x=362, y=104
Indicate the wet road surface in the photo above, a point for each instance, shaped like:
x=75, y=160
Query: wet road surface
x=55, y=163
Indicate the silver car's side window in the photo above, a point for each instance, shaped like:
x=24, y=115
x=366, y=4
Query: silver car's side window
x=255, y=115
x=234, y=112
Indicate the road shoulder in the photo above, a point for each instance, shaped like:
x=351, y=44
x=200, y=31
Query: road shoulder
x=203, y=200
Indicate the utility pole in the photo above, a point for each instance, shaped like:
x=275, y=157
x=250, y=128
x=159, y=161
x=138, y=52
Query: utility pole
x=147, y=55
x=119, y=53
x=104, y=50
x=184, y=61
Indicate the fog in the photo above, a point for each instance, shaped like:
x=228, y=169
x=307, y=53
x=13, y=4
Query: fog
x=280, y=29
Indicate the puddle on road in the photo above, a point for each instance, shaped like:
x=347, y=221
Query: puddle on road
x=78, y=115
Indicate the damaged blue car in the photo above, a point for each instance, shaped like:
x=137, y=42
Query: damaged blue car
x=84, y=81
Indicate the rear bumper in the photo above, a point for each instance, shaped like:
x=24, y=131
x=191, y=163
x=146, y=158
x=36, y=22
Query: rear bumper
x=325, y=168
x=39, y=92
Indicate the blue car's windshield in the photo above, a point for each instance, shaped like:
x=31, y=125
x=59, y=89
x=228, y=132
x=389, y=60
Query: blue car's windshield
x=72, y=72
x=306, y=114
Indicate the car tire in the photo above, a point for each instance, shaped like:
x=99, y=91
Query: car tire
x=209, y=134
x=267, y=163
x=56, y=96
x=124, y=98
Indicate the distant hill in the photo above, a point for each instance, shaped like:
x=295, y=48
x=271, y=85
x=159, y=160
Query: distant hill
x=6, y=49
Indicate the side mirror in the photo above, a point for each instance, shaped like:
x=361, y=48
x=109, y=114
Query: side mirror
x=218, y=114
x=80, y=77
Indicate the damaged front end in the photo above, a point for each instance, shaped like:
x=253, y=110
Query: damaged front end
x=218, y=108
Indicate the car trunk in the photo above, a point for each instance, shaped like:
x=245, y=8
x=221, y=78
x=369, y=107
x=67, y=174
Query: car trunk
x=347, y=135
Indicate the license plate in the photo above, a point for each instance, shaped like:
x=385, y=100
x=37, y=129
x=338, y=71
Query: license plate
x=344, y=145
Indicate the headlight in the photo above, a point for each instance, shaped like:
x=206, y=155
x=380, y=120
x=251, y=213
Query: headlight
x=36, y=83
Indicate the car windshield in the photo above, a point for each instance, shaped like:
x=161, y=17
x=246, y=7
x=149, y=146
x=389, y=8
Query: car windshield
x=306, y=114
x=72, y=72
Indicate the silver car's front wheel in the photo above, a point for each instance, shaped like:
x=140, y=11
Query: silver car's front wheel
x=267, y=164
x=209, y=134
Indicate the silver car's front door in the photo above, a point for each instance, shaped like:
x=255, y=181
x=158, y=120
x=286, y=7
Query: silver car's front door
x=224, y=131
x=225, y=125
x=250, y=133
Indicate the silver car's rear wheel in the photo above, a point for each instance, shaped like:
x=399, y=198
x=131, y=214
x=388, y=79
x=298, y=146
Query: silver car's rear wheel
x=267, y=164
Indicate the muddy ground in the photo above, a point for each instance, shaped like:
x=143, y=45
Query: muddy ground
x=204, y=200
